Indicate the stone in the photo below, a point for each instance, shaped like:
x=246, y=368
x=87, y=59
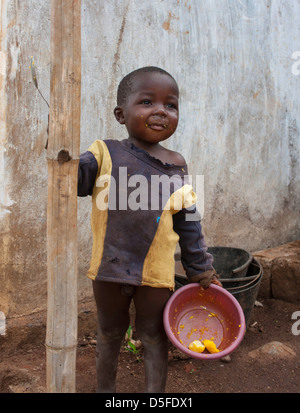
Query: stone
x=286, y=278
x=226, y=359
x=271, y=351
x=281, y=272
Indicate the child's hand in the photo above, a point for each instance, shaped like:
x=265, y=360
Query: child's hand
x=206, y=278
x=216, y=282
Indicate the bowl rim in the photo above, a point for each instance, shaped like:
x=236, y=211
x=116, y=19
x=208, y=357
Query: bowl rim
x=204, y=356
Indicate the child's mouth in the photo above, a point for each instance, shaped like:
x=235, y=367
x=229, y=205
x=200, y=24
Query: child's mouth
x=157, y=126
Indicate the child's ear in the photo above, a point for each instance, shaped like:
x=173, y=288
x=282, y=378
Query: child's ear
x=119, y=115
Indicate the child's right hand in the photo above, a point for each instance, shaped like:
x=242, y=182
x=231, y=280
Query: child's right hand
x=206, y=278
x=216, y=282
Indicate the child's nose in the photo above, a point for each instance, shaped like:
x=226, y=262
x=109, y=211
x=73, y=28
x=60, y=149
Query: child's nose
x=159, y=110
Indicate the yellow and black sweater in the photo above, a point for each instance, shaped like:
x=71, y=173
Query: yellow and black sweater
x=139, y=209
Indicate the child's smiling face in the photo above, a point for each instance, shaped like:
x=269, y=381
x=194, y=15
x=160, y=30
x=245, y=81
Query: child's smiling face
x=151, y=110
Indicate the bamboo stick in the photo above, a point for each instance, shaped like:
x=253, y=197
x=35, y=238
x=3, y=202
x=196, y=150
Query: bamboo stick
x=62, y=158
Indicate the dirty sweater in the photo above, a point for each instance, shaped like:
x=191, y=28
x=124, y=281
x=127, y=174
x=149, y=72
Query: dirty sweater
x=139, y=214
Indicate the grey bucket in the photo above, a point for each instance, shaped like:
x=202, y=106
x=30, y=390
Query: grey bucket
x=246, y=296
x=230, y=262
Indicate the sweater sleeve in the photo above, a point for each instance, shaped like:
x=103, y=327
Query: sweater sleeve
x=194, y=256
x=87, y=172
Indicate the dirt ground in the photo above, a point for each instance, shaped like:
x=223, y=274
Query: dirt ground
x=23, y=358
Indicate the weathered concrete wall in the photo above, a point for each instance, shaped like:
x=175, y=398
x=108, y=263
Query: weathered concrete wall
x=239, y=125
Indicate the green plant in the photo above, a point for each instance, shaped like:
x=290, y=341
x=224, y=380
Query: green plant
x=130, y=344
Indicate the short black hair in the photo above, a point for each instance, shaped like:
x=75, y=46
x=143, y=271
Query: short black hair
x=126, y=83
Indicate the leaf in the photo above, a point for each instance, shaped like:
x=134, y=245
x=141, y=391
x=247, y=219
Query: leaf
x=129, y=332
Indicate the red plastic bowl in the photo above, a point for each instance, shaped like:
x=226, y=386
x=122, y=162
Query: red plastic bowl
x=195, y=314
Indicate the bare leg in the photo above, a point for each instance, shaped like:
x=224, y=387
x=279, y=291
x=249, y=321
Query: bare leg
x=150, y=303
x=113, y=321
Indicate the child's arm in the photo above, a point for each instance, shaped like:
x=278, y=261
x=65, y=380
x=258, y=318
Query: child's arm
x=196, y=261
x=87, y=172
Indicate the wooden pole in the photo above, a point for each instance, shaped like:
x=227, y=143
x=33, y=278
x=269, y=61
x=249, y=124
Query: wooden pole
x=62, y=158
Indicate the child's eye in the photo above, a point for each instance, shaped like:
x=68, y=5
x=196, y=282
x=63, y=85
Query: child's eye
x=146, y=102
x=171, y=105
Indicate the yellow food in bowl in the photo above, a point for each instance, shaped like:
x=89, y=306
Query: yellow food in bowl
x=210, y=346
x=197, y=346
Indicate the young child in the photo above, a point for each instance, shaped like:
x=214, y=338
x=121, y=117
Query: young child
x=135, y=230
